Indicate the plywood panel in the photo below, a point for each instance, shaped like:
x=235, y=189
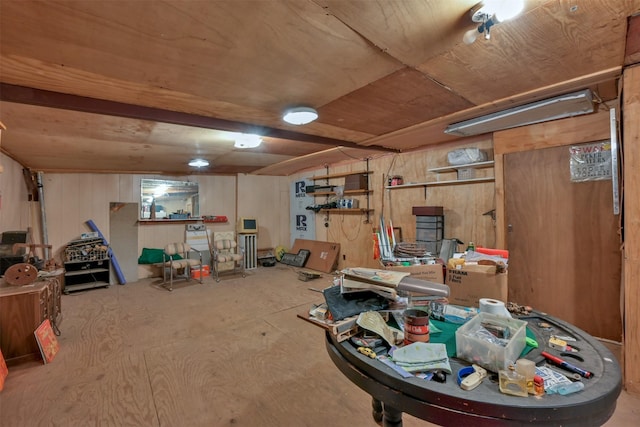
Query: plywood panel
x=498, y=67
x=14, y=208
x=323, y=255
x=631, y=136
x=169, y=41
x=563, y=242
x=591, y=127
x=269, y=203
x=415, y=99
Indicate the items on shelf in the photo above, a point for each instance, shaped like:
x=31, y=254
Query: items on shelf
x=214, y=218
x=87, y=264
x=354, y=183
x=465, y=175
x=394, y=180
x=467, y=155
x=91, y=249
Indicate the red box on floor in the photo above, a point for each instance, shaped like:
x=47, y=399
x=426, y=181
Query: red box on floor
x=195, y=272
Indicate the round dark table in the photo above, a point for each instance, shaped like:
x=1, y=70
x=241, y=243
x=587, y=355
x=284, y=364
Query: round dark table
x=447, y=404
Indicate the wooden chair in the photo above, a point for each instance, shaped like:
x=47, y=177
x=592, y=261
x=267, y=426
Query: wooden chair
x=175, y=258
x=227, y=251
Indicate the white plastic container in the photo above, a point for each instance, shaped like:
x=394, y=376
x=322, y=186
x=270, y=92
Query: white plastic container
x=477, y=345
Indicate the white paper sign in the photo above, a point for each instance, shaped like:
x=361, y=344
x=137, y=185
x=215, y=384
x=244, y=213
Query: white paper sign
x=590, y=162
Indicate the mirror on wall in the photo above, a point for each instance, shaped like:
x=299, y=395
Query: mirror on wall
x=165, y=199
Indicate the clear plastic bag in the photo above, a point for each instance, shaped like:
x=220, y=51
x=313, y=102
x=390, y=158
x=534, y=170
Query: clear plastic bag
x=464, y=156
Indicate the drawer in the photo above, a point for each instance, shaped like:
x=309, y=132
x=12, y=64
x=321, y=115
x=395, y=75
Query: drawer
x=430, y=220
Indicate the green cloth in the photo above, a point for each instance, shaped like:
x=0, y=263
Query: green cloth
x=153, y=256
x=448, y=337
x=421, y=357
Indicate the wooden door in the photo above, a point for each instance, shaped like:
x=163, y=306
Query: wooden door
x=563, y=240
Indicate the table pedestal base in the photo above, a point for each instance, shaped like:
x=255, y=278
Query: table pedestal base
x=385, y=414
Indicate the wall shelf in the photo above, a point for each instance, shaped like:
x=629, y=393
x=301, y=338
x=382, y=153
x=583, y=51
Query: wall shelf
x=437, y=183
x=340, y=175
x=477, y=165
x=445, y=169
x=342, y=210
x=86, y=274
x=358, y=191
x=346, y=192
x=169, y=221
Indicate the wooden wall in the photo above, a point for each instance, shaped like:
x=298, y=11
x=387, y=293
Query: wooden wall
x=15, y=210
x=464, y=205
x=631, y=266
x=72, y=199
x=267, y=199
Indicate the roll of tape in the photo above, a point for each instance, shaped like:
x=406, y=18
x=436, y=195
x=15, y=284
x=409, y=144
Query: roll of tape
x=488, y=305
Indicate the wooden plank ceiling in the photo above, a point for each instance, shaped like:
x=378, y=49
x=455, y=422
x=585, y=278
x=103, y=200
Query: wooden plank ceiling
x=145, y=86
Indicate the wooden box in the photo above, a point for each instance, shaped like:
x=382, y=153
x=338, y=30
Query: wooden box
x=22, y=310
x=356, y=182
x=427, y=210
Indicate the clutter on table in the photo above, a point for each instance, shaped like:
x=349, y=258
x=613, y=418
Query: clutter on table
x=411, y=326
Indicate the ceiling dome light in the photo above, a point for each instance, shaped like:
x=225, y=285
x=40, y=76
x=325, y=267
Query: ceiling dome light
x=300, y=115
x=509, y=9
x=198, y=163
x=247, y=140
x=503, y=9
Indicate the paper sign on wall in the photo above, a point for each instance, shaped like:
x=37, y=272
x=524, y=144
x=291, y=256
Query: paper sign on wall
x=590, y=162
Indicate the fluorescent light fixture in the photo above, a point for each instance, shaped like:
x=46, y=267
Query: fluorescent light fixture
x=560, y=107
x=198, y=163
x=300, y=115
x=247, y=140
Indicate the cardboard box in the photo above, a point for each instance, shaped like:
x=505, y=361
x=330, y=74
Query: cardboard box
x=195, y=272
x=470, y=284
x=430, y=272
x=356, y=182
x=323, y=257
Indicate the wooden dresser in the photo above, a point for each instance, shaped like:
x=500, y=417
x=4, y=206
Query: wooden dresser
x=22, y=309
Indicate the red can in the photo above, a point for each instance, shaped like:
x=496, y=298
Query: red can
x=416, y=326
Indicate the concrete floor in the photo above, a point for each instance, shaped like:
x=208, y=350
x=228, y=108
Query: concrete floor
x=216, y=354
